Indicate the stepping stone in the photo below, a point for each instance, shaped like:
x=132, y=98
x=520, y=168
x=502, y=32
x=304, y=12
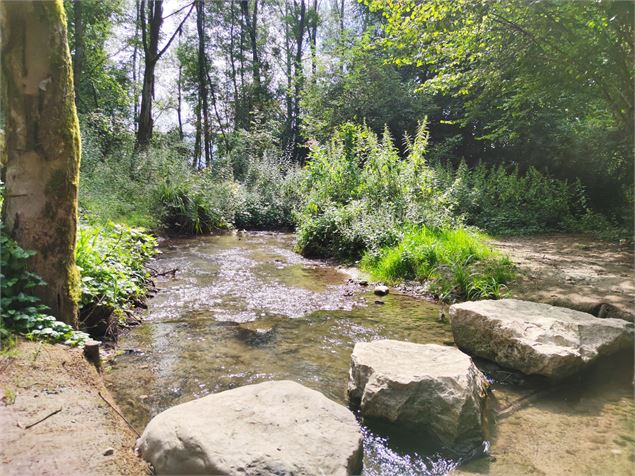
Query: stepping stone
x=278, y=427
x=428, y=387
x=535, y=338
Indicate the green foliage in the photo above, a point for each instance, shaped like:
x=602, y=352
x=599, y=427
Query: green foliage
x=368, y=89
x=457, y=264
x=121, y=185
x=186, y=207
x=359, y=193
x=268, y=195
x=103, y=84
x=21, y=311
x=501, y=200
x=111, y=261
x=158, y=189
x=543, y=83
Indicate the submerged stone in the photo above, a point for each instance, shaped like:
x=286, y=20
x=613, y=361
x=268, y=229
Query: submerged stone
x=421, y=386
x=535, y=338
x=381, y=290
x=278, y=427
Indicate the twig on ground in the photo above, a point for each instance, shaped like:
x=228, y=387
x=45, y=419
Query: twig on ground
x=119, y=413
x=41, y=420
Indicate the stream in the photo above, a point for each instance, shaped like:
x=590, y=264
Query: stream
x=245, y=308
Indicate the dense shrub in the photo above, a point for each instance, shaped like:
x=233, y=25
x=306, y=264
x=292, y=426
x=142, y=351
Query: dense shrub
x=359, y=194
x=111, y=261
x=21, y=311
x=268, y=194
x=159, y=189
x=504, y=201
x=406, y=217
x=456, y=264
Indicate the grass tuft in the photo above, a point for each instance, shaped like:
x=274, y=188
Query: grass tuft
x=456, y=264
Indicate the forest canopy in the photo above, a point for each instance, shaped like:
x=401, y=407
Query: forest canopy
x=542, y=83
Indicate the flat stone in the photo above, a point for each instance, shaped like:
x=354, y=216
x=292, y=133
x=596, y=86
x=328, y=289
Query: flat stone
x=278, y=427
x=535, y=338
x=431, y=387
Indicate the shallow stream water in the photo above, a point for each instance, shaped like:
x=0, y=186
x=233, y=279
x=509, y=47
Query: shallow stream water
x=244, y=309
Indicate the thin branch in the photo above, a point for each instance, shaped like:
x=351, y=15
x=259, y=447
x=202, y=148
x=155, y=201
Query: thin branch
x=119, y=413
x=178, y=11
x=165, y=48
x=42, y=419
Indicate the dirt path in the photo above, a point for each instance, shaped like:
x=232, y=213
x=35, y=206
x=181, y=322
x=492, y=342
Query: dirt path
x=571, y=269
x=35, y=381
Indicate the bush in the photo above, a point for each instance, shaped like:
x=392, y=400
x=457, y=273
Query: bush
x=360, y=194
x=457, y=264
x=111, y=261
x=21, y=311
x=188, y=207
x=159, y=189
x=504, y=201
x=268, y=195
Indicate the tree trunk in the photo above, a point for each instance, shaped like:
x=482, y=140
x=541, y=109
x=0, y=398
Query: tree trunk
x=289, y=74
x=232, y=62
x=135, y=76
x=197, y=141
x=146, y=123
x=43, y=147
x=252, y=30
x=179, y=104
x=298, y=80
x=78, y=56
x=313, y=40
x=150, y=34
x=202, y=79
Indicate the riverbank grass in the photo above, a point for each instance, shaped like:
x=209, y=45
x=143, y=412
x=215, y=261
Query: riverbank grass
x=455, y=264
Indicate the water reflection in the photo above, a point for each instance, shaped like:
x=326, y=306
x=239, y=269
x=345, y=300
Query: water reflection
x=244, y=310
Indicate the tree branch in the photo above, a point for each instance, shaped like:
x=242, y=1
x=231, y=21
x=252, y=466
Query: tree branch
x=165, y=48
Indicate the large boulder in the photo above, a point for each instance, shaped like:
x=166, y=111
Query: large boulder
x=429, y=387
x=278, y=427
x=536, y=338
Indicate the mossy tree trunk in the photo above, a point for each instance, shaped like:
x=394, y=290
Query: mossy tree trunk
x=42, y=146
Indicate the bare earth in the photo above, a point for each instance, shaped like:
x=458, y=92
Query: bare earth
x=561, y=269
x=38, y=379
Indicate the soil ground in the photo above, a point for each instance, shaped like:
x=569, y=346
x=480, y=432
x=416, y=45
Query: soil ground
x=37, y=379
x=571, y=270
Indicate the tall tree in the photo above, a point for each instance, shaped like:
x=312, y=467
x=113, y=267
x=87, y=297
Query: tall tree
x=43, y=147
x=312, y=31
x=299, y=19
x=151, y=22
x=551, y=82
x=79, y=50
x=100, y=84
x=203, y=74
x=251, y=23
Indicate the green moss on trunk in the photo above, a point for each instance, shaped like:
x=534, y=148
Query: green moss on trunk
x=42, y=147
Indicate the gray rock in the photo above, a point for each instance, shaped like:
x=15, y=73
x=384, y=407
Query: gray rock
x=278, y=427
x=536, y=338
x=430, y=387
x=381, y=290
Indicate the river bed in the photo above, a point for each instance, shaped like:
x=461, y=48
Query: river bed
x=244, y=309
